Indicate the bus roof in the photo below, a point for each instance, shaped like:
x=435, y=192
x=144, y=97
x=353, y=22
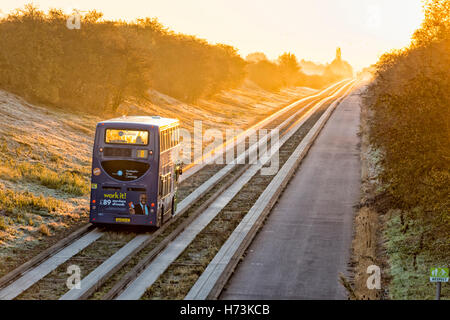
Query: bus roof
x=156, y=121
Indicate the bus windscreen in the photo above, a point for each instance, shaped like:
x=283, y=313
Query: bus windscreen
x=122, y=136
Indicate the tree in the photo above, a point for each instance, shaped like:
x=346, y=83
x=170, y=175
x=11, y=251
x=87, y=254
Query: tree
x=104, y=63
x=255, y=57
x=436, y=25
x=289, y=68
x=410, y=100
x=265, y=74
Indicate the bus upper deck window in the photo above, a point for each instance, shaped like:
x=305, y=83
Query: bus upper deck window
x=122, y=136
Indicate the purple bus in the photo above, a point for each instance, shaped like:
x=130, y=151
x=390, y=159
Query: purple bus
x=135, y=171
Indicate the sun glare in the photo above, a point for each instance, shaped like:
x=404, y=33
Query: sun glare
x=310, y=29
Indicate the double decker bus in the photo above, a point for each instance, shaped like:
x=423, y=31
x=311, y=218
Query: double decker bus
x=135, y=171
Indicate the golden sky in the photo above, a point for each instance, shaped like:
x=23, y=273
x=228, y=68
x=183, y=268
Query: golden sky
x=311, y=29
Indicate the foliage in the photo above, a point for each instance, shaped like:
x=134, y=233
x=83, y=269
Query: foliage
x=410, y=267
x=95, y=68
x=265, y=74
x=21, y=202
x=256, y=57
x=410, y=98
x=70, y=182
x=289, y=68
x=436, y=25
x=102, y=64
x=284, y=72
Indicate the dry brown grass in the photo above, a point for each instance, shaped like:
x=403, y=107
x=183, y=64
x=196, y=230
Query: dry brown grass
x=43, y=229
x=69, y=182
x=45, y=157
x=365, y=252
x=3, y=225
x=366, y=224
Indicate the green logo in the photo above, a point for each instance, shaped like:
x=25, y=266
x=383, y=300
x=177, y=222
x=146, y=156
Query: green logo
x=439, y=274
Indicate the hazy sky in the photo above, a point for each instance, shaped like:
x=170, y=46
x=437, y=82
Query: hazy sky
x=311, y=29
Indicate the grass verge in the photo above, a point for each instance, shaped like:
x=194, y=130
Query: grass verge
x=410, y=270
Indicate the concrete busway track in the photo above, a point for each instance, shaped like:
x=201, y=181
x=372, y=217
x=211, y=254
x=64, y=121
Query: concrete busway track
x=216, y=275
x=219, y=151
x=22, y=278
x=147, y=276
x=306, y=240
x=226, y=170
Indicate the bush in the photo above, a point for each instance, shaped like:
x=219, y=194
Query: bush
x=69, y=182
x=410, y=98
x=3, y=224
x=21, y=202
x=265, y=74
x=97, y=67
x=43, y=229
x=286, y=72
